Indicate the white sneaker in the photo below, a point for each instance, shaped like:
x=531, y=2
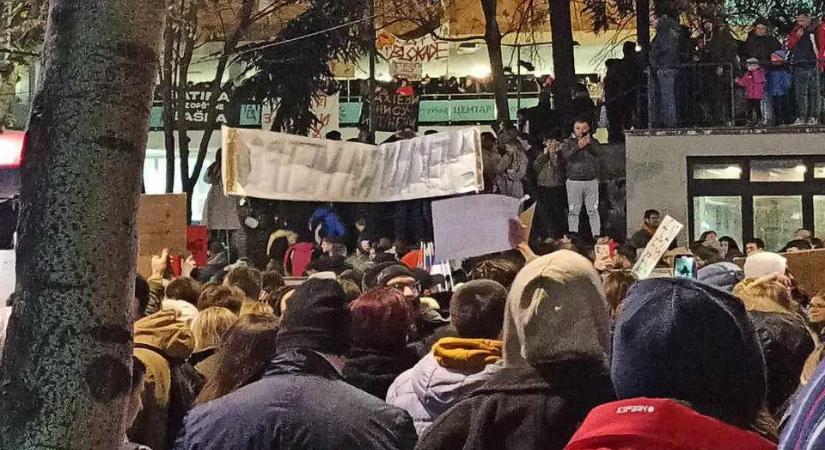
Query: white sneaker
x=798, y=123
x=813, y=121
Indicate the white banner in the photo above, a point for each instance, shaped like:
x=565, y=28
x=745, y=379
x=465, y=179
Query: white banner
x=473, y=225
x=657, y=247
x=278, y=166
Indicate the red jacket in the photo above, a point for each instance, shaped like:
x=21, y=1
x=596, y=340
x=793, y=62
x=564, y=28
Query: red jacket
x=659, y=424
x=819, y=34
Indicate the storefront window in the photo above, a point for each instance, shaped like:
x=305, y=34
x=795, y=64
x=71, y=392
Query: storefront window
x=776, y=218
x=720, y=214
x=819, y=170
x=778, y=170
x=819, y=215
x=717, y=171
x=154, y=179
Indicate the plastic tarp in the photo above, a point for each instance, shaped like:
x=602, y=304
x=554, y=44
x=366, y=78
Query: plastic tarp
x=276, y=166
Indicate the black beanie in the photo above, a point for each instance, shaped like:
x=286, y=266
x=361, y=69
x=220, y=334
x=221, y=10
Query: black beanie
x=373, y=275
x=681, y=339
x=317, y=318
x=391, y=272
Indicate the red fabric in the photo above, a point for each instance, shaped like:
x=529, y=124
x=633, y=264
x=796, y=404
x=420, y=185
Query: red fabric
x=298, y=257
x=820, y=34
x=659, y=424
x=197, y=242
x=794, y=38
x=411, y=259
x=406, y=91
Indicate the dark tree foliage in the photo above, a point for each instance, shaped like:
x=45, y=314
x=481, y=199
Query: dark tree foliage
x=291, y=70
x=780, y=14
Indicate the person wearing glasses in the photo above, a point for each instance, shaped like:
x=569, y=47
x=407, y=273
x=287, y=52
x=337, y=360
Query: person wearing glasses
x=428, y=321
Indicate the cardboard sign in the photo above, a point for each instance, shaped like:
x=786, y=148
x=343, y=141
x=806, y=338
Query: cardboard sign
x=393, y=112
x=161, y=224
x=474, y=225
x=657, y=247
x=809, y=270
x=409, y=70
x=527, y=219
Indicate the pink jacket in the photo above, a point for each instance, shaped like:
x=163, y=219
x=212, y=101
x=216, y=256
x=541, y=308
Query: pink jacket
x=754, y=83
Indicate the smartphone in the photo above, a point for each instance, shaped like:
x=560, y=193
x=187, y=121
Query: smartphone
x=684, y=266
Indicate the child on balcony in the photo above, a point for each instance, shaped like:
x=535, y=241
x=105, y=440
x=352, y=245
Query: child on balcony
x=754, y=82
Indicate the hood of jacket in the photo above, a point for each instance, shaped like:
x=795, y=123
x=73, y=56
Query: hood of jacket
x=373, y=371
x=467, y=355
x=165, y=332
x=556, y=309
x=659, y=424
x=723, y=275
x=764, y=295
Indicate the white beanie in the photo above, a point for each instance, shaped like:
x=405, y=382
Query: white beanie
x=556, y=308
x=764, y=264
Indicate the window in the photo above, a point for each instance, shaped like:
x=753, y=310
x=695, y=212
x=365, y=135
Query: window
x=720, y=214
x=778, y=170
x=776, y=218
x=819, y=215
x=819, y=170
x=717, y=171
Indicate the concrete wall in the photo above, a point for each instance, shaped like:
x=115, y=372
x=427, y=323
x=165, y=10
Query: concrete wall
x=657, y=163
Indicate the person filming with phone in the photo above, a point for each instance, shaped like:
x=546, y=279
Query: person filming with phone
x=582, y=152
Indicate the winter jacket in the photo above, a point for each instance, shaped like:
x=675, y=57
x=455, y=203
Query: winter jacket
x=205, y=362
x=429, y=389
x=300, y=403
x=549, y=169
x=373, y=371
x=664, y=49
x=556, y=340
x=659, y=424
x=723, y=275
x=332, y=225
x=754, y=83
x=523, y=408
x=582, y=164
x=804, y=428
x=780, y=80
x=158, y=338
x=786, y=342
x=760, y=47
x=805, y=49
x=514, y=164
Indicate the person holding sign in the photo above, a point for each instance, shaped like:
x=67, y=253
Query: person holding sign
x=582, y=152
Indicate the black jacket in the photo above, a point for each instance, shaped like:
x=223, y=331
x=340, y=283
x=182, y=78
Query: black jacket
x=786, y=344
x=760, y=47
x=373, y=371
x=300, y=403
x=582, y=164
x=523, y=408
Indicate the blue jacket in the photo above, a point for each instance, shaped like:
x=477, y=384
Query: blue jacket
x=300, y=403
x=779, y=82
x=332, y=224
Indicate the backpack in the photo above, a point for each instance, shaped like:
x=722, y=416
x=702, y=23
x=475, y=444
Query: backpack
x=186, y=384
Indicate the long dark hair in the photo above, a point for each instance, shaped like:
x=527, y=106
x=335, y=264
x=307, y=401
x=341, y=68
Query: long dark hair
x=242, y=355
x=215, y=168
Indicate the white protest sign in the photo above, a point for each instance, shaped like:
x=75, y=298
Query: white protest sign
x=278, y=166
x=408, y=70
x=657, y=247
x=474, y=225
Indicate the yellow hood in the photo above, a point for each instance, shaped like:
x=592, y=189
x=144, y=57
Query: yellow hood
x=467, y=354
x=164, y=331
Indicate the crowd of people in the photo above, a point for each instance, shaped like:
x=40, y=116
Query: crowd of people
x=553, y=346
x=693, y=73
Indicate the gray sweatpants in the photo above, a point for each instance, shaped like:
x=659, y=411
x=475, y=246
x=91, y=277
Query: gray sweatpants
x=583, y=193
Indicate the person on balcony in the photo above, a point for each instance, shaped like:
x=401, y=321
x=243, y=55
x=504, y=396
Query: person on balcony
x=664, y=66
x=718, y=51
x=805, y=45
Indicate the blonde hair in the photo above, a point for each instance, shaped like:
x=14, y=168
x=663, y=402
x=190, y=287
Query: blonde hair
x=210, y=326
x=765, y=295
x=256, y=308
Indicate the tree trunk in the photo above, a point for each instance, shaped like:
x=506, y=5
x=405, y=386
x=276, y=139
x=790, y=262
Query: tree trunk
x=216, y=88
x=65, y=372
x=492, y=36
x=7, y=95
x=182, y=95
x=564, y=65
x=166, y=80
